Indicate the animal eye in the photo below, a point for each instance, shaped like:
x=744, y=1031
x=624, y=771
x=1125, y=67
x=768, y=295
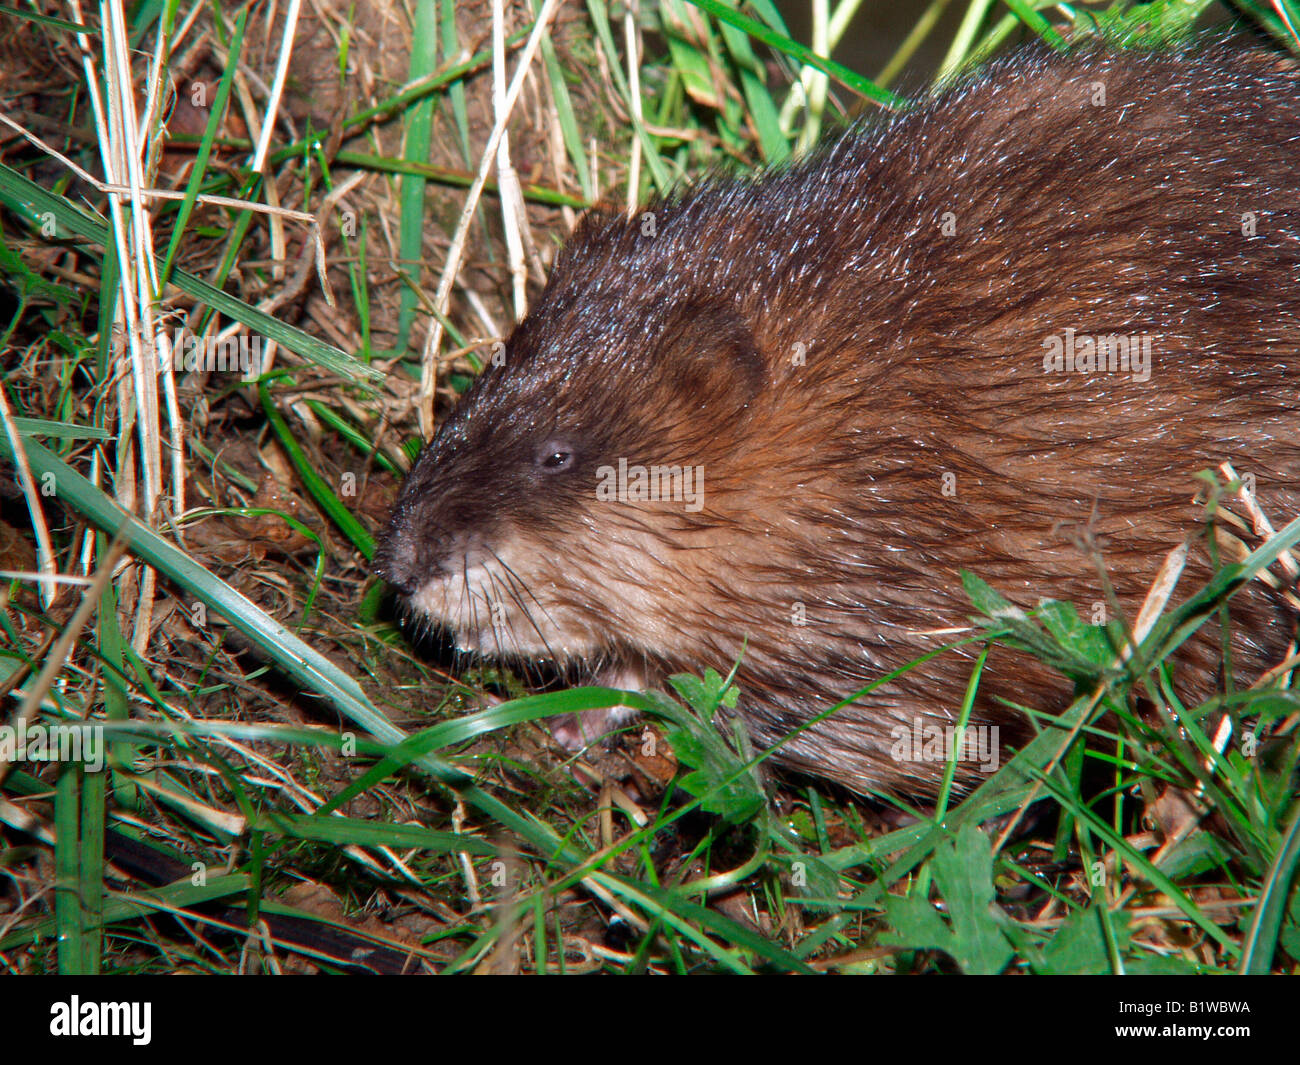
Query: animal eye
x=555, y=456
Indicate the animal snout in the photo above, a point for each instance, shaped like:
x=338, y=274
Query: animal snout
x=398, y=560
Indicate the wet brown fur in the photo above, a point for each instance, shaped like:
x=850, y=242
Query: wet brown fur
x=922, y=355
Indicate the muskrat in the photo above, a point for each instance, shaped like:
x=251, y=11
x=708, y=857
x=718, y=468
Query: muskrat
x=872, y=369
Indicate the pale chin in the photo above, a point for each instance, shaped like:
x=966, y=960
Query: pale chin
x=516, y=637
x=490, y=644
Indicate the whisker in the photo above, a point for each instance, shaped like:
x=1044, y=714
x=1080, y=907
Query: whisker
x=516, y=585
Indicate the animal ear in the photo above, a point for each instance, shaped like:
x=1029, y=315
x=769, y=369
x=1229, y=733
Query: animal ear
x=711, y=355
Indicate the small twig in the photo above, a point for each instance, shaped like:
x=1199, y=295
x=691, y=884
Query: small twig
x=107, y=187
x=277, y=86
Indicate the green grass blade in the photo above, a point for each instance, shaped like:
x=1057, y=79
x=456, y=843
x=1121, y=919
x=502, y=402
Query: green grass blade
x=314, y=482
x=200, y=167
x=659, y=172
x=67, y=856
x=345, y=831
x=90, y=869
x=1261, y=940
x=419, y=122
x=177, y=897
x=45, y=20
x=569, y=131
x=36, y=204
x=59, y=430
x=862, y=86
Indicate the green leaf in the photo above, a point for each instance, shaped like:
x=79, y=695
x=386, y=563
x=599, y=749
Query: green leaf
x=1063, y=645
x=963, y=874
x=1079, y=946
x=719, y=776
